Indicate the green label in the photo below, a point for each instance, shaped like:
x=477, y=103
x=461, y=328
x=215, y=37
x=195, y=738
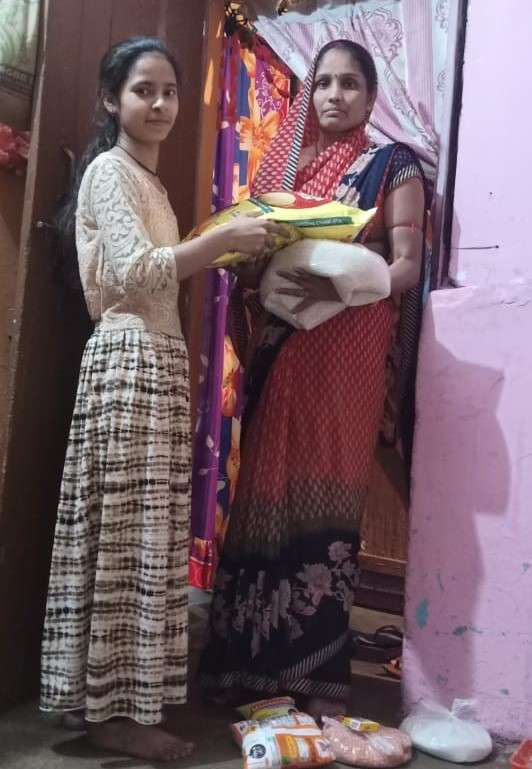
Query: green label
x=332, y=221
x=267, y=209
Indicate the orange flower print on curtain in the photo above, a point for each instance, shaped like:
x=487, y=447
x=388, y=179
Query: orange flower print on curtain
x=258, y=130
x=267, y=105
x=253, y=100
x=231, y=379
x=256, y=134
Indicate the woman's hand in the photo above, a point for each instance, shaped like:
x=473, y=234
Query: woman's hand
x=311, y=288
x=250, y=272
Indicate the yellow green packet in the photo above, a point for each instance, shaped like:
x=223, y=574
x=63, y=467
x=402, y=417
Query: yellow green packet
x=302, y=216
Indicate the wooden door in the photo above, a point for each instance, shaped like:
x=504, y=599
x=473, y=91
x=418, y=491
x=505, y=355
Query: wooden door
x=384, y=535
x=50, y=325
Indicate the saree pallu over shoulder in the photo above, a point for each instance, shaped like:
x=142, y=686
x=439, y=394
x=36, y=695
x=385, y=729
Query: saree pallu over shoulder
x=372, y=176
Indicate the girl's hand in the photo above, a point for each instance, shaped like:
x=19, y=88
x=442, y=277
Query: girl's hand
x=251, y=235
x=311, y=288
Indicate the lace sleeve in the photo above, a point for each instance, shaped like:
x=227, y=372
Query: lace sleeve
x=117, y=206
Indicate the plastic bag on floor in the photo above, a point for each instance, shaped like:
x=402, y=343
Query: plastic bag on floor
x=384, y=747
x=446, y=733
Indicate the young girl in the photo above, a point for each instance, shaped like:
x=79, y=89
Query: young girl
x=115, y=635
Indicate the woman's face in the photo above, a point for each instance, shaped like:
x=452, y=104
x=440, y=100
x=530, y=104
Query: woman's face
x=148, y=102
x=340, y=97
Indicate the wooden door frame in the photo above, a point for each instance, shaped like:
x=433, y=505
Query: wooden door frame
x=448, y=152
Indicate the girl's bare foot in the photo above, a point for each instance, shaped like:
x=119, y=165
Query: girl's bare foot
x=122, y=735
x=320, y=706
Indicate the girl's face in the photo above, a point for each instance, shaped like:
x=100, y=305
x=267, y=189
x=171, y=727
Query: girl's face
x=340, y=97
x=148, y=102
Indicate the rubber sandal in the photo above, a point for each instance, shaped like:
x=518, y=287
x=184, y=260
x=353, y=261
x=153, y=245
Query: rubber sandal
x=382, y=645
x=384, y=637
x=393, y=667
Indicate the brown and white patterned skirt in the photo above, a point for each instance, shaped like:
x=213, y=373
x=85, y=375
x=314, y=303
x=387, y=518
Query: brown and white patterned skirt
x=115, y=635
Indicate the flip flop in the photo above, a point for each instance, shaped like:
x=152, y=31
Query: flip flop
x=380, y=646
x=393, y=667
x=384, y=637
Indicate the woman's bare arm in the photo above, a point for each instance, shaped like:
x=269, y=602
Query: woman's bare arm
x=403, y=221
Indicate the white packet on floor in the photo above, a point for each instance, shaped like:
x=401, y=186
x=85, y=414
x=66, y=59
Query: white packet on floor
x=445, y=734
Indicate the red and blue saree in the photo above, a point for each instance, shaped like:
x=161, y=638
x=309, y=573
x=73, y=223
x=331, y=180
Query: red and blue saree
x=315, y=401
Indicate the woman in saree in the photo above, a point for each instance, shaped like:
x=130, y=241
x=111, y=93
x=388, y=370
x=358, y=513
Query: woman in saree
x=288, y=570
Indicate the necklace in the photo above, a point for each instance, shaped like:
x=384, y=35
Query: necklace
x=137, y=161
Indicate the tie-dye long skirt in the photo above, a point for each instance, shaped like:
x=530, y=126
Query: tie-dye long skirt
x=115, y=635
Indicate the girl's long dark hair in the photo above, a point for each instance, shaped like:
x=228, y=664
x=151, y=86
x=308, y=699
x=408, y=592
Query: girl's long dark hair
x=114, y=70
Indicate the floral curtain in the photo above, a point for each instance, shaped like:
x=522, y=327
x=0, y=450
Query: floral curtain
x=408, y=40
x=254, y=96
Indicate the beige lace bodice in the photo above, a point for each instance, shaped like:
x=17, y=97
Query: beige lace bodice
x=125, y=230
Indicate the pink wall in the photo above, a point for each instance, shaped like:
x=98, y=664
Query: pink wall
x=469, y=583
x=469, y=587
x=492, y=195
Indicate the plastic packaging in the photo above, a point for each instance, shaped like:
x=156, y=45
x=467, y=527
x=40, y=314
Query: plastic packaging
x=293, y=720
x=446, y=733
x=302, y=216
x=270, y=708
x=522, y=757
x=359, y=275
x=359, y=724
x=293, y=740
x=385, y=747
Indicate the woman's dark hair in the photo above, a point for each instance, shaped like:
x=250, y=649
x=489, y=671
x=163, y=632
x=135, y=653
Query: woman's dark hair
x=359, y=54
x=114, y=71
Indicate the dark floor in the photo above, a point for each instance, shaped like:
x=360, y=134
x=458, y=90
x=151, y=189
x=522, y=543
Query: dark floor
x=30, y=740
